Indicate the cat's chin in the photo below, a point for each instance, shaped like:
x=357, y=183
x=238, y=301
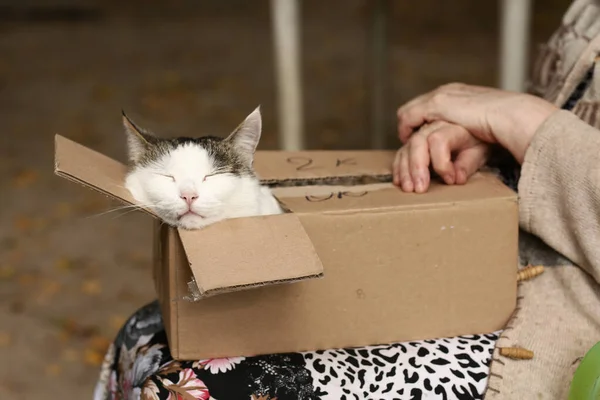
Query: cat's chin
x=193, y=222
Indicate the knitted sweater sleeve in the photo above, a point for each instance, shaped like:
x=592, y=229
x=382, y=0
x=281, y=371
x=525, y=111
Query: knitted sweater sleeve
x=559, y=189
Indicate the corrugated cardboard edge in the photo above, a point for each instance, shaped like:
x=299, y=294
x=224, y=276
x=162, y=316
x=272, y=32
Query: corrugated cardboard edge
x=196, y=294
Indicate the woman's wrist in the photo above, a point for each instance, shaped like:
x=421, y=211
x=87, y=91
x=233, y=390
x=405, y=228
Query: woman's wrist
x=532, y=114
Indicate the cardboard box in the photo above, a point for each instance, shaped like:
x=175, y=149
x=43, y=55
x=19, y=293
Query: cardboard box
x=364, y=264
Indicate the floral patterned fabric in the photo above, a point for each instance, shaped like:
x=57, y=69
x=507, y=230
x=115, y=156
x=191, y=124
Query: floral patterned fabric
x=138, y=365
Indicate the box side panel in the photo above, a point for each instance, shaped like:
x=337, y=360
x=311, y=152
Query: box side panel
x=165, y=251
x=403, y=275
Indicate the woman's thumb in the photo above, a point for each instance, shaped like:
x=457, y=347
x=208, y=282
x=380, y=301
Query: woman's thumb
x=468, y=161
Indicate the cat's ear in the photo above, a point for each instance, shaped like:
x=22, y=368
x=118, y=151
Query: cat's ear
x=138, y=140
x=246, y=136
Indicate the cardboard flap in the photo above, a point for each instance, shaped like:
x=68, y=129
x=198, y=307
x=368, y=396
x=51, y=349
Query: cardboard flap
x=89, y=168
x=258, y=251
x=282, y=165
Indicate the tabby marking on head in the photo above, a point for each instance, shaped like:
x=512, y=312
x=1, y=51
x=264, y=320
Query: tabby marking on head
x=194, y=182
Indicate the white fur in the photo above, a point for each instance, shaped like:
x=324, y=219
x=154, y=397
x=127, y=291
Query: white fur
x=219, y=197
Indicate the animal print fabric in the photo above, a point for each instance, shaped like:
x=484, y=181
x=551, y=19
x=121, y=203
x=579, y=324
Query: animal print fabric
x=138, y=365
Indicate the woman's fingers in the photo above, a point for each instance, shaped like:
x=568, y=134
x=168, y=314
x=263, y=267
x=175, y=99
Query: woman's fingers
x=441, y=155
x=418, y=161
x=396, y=168
x=445, y=141
x=407, y=126
x=469, y=161
x=465, y=105
x=435, y=144
x=410, y=117
x=491, y=115
x=413, y=159
x=401, y=170
x=439, y=104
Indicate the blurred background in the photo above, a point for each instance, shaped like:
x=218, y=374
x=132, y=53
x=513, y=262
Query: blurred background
x=69, y=277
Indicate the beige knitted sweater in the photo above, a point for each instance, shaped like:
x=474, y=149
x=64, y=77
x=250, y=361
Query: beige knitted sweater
x=558, y=313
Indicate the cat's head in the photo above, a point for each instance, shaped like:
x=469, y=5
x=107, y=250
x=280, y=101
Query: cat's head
x=193, y=182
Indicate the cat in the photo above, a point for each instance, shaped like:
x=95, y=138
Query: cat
x=191, y=183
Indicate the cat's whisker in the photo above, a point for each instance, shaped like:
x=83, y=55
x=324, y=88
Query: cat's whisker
x=125, y=213
x=134, y=207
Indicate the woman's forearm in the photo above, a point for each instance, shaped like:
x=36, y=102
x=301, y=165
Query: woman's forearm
x=559, y=189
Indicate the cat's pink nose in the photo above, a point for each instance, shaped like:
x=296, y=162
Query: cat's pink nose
x=189, y=197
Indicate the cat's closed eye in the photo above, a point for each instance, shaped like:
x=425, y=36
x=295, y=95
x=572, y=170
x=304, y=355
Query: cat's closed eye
x=215, y=174
x=167, y=176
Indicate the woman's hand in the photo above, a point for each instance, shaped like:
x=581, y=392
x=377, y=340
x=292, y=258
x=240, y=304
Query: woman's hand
x=490, y=115
x=436, y=144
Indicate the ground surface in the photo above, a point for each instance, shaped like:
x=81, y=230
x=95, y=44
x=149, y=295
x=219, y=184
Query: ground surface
x=68, y=276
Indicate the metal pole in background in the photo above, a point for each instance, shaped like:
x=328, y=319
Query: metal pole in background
x=285, y=21
x=514, y=43
x=378, y=74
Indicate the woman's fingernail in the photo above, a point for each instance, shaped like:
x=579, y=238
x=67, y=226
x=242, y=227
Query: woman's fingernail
x=449, y=179
x=407, y=185
x=419, y=185
x=461, y=176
